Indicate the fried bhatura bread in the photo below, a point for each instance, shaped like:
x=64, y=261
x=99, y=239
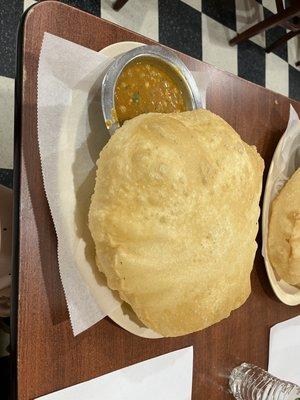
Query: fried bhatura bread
x=174, y=218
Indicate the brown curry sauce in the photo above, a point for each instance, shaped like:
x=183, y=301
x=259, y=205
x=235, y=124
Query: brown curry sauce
x=147, y=86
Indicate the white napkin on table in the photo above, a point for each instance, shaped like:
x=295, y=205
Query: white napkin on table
x=166, y=377
x=284, y=352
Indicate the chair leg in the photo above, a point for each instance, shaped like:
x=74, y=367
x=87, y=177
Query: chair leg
x=267, y=23
x=279, y=5
x=282, y=40
x=118, y=4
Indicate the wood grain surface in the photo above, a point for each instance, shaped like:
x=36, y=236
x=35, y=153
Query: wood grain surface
x=48, y=356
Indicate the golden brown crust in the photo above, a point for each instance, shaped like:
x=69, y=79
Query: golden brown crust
x=174, y=218
x=284, y=231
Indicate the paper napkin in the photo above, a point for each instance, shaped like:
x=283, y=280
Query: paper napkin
x=284, y=352
x=165, y=377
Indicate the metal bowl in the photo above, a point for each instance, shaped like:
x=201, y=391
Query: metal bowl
x=161, y=55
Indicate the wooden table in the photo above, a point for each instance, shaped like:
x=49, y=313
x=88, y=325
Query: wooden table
x=47, y=356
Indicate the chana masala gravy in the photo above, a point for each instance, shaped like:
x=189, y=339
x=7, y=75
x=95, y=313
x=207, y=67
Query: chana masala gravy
x=146, y=85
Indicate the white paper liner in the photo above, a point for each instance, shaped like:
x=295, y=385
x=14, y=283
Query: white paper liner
x=71, y=134
x=286, y=161
x=62, y=67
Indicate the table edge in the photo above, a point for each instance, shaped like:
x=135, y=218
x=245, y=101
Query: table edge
x=18, y=93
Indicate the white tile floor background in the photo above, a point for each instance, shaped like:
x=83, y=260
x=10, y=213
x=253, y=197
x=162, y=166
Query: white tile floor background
x=145, y=20
x=215, y=48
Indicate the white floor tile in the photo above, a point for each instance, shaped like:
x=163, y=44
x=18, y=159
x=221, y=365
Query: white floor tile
x=294, y=50
x=196, y=4
x=277, y=74
x=248, y=13
x=6, y=121
x=270, y=5
x=136, y=15
x=28, y=3
x=215, y=47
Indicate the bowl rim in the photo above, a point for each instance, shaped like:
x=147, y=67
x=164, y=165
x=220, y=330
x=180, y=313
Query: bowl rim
x=114, y=70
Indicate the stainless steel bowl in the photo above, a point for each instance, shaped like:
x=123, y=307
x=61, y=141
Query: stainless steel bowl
x=160, y=54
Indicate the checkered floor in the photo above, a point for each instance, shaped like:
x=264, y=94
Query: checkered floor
x=200, y=28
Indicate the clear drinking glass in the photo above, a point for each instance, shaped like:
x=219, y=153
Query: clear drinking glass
x=248, y=382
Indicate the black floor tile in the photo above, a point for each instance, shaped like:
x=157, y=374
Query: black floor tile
x=273, y=34
x=10, y=14
x=90, y=6
x=5, y=377
x=180, y=27
x=251, y=62
x=294, y=83
x=222, y=11
x=6, y=177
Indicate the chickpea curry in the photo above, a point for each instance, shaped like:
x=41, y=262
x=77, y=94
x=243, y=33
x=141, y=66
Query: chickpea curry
x=148, y=86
